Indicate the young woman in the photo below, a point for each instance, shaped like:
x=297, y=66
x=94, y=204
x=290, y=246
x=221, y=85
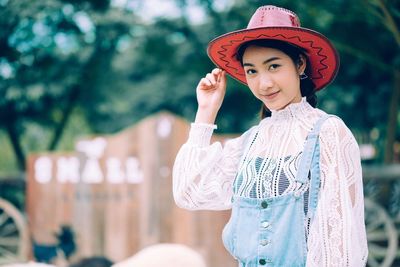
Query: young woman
x=293, y=181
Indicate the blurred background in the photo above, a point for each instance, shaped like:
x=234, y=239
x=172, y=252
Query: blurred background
x=73, y=70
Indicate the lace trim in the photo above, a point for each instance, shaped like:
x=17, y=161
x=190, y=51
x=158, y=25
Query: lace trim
x=200, y=134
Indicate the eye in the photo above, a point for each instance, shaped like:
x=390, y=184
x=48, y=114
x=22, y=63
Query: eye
x=273, y=66
x=250, y=71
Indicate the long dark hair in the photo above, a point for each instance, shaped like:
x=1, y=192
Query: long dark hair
x=307, y=87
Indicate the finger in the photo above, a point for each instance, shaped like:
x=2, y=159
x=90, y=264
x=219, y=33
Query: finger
x=205, y=82
x=212, y=78
x=219, y=77
x=216, y=71
x=222, y=77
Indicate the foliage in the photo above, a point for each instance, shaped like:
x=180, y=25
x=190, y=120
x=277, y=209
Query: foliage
x=364, y=82
x=113, y=67
x=53, y=56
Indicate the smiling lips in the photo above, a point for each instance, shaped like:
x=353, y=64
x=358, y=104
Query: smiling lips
x=271, y=96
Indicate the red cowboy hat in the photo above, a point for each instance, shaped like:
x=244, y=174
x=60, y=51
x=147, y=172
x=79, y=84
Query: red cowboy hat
x=271, y=22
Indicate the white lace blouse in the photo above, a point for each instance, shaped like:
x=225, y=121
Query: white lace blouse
x=204, y=177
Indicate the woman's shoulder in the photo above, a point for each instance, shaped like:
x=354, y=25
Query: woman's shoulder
x=334, y=126
x=333, y=121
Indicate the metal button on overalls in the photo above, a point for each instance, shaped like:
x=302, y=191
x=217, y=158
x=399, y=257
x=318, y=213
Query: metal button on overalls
x=264, y=204
x=265, y=224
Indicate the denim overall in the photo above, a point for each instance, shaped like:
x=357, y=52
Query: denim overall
x=271, y=231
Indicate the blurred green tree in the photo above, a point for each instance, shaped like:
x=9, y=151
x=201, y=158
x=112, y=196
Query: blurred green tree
x=55, y=56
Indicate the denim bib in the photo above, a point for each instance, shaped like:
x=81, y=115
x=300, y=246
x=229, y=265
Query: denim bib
x=271, y=231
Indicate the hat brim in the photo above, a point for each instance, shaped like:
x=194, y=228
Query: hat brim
x=322, y=56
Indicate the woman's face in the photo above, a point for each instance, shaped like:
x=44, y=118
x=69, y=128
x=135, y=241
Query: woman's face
x=272, y=76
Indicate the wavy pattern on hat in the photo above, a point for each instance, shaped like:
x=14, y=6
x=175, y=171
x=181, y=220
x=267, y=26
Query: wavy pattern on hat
x=223, y=54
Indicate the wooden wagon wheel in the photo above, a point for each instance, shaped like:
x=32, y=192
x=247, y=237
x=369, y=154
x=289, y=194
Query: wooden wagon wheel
x=14, y=239
x=381, y=234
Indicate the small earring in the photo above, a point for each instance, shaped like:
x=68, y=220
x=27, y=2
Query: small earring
x=303, y=76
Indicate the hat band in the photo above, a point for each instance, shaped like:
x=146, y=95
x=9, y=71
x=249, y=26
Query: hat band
x=291, y=40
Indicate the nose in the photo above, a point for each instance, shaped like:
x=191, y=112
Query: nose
x=266, y=82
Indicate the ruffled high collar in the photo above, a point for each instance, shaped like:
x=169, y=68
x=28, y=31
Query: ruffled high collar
x=292, y=111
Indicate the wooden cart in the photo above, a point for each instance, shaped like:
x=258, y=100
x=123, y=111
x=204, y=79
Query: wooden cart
x=14, y=238
x=382, y=228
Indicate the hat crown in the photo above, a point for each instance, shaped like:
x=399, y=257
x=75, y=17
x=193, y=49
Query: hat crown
x=272, y=16
x=276, y=23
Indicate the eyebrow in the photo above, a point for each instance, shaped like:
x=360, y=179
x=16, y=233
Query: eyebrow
x=265, y=62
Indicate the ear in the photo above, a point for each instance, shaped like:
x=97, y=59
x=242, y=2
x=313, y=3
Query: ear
x=302, y=64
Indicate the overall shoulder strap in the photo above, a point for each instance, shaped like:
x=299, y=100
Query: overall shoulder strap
x=309, y=150
x=310, y=163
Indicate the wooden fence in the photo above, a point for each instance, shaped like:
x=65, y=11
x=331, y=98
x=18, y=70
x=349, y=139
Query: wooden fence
x=116, y=194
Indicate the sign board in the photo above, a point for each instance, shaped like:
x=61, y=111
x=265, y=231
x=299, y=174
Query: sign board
x=116, y=193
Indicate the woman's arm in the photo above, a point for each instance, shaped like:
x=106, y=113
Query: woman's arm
x=337, y=234
x=203, y=173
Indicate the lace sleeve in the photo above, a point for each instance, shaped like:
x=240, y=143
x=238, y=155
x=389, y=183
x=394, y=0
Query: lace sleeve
x=337, y=234
x=203, y=173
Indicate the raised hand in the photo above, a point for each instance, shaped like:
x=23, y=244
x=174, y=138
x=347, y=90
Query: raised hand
x=210, y=94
